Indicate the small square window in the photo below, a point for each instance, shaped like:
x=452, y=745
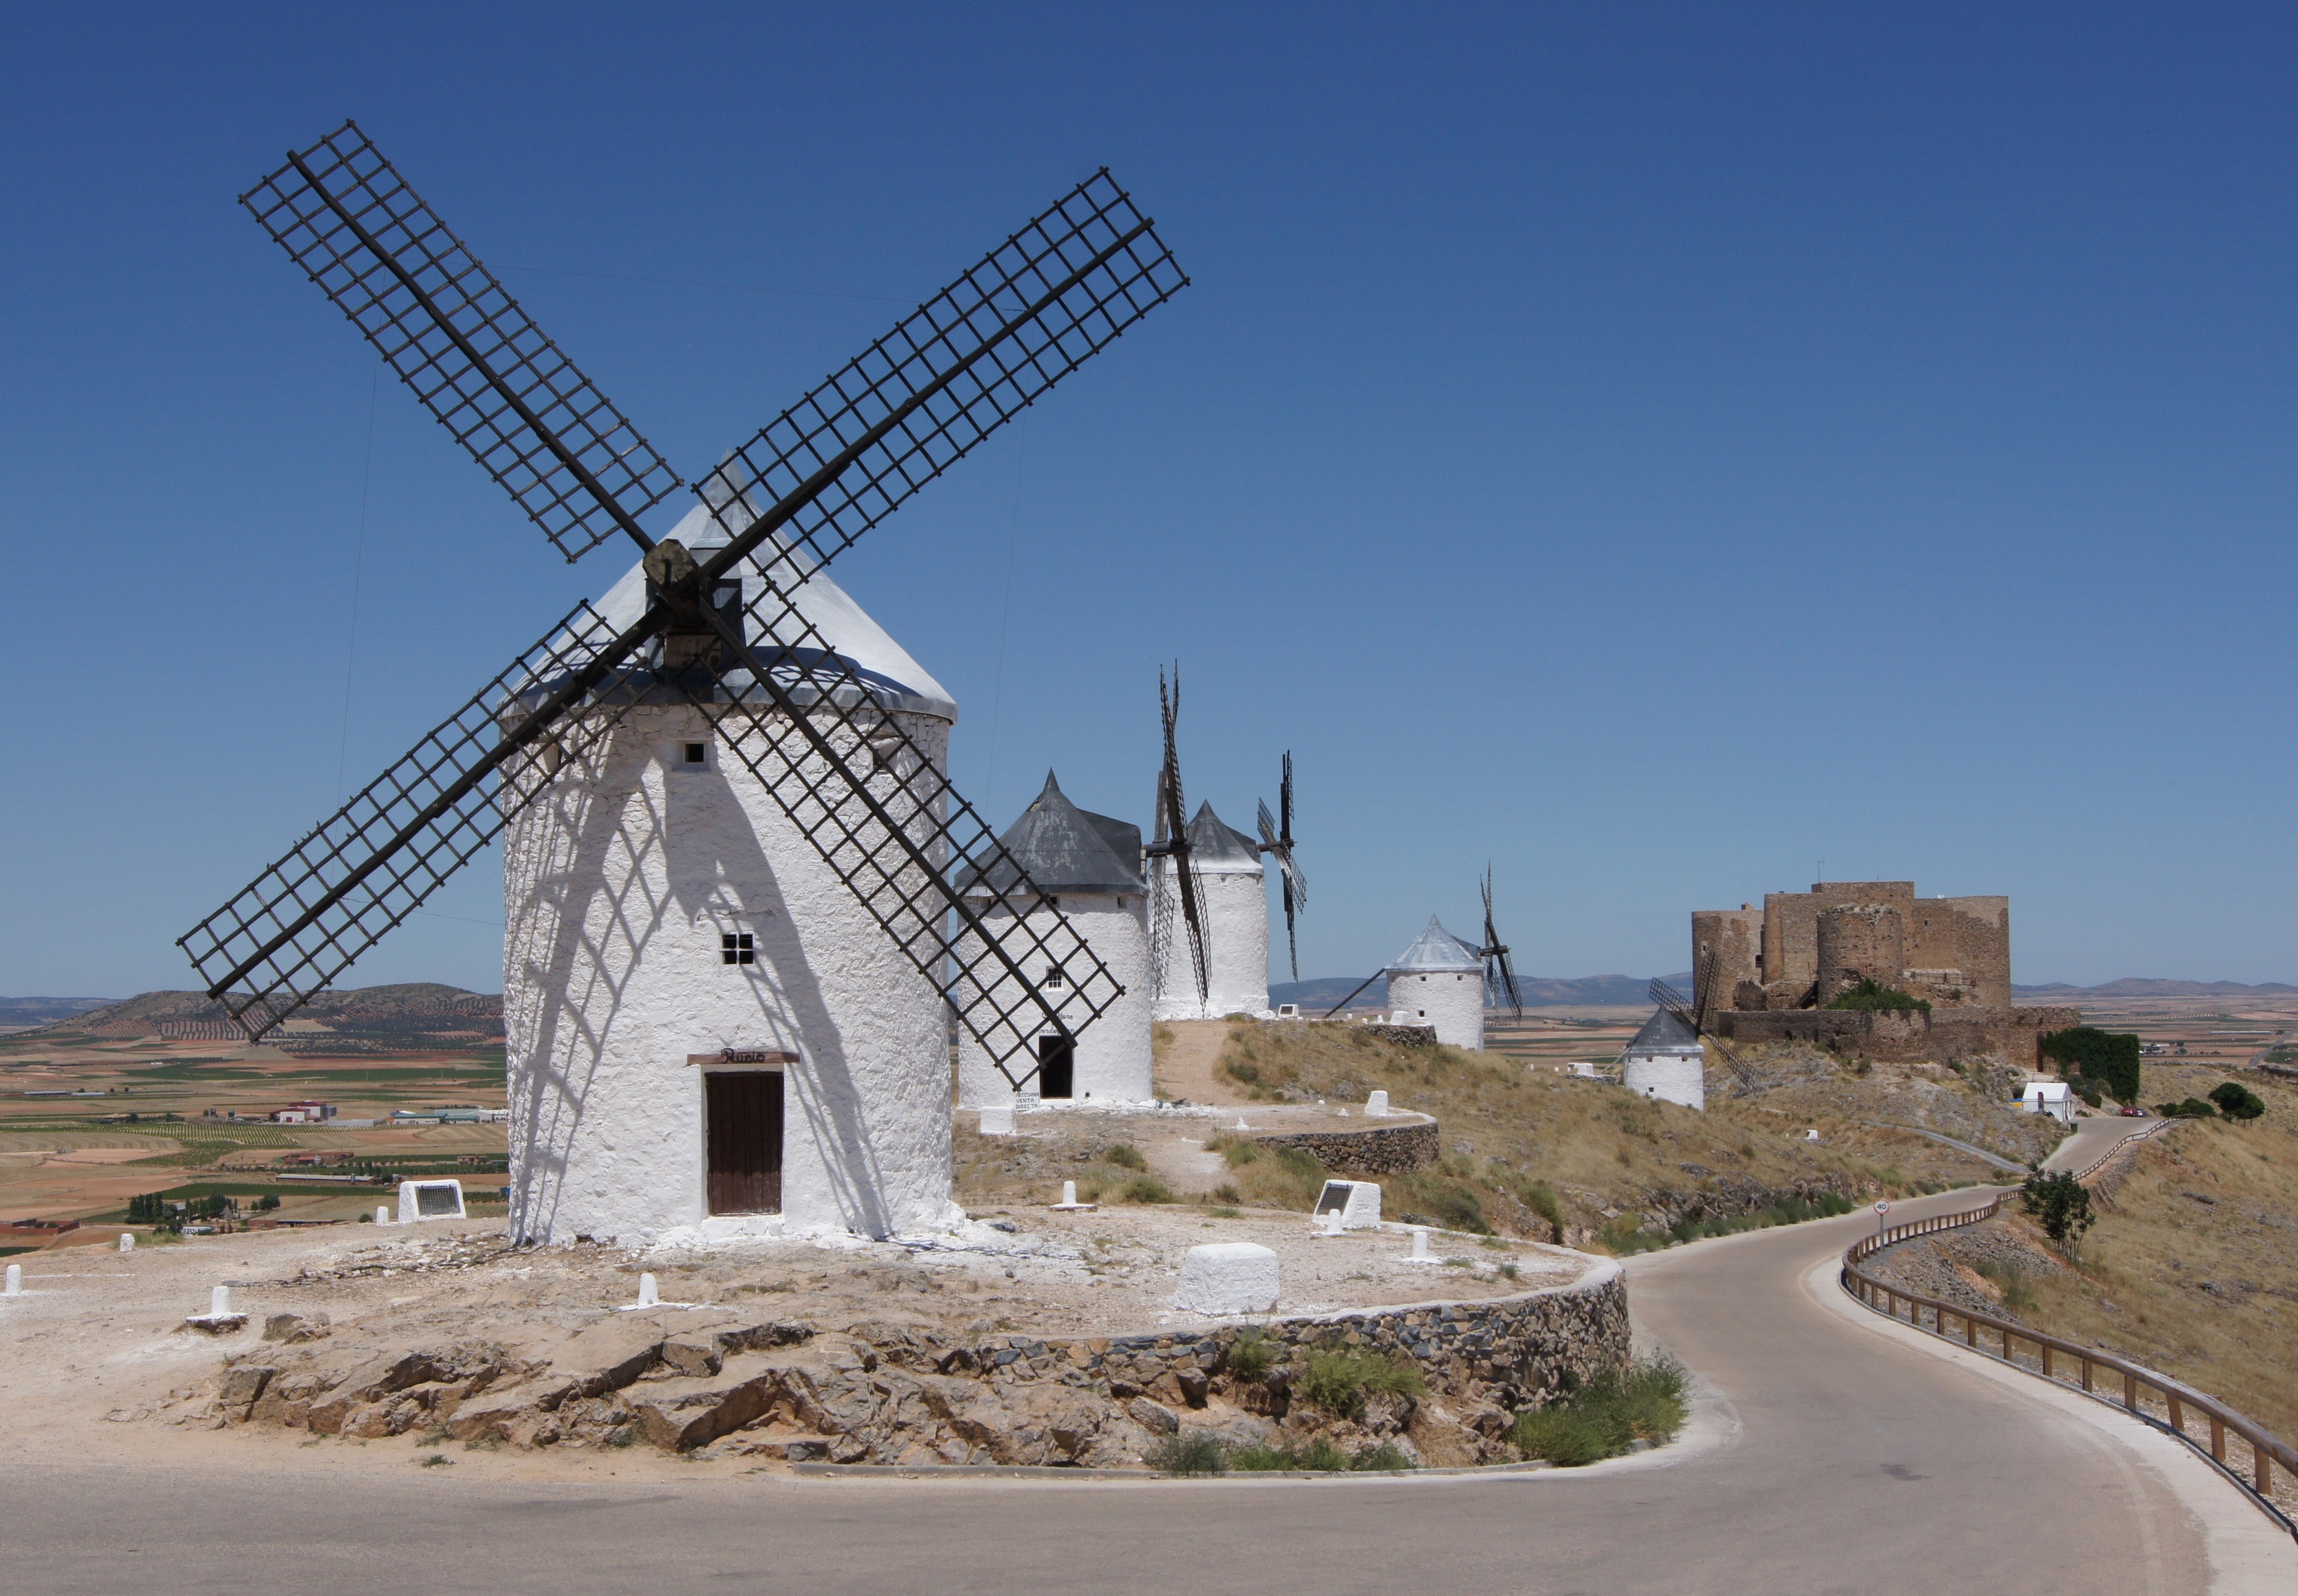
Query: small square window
x=1055, y=977
x=735, y=947
x=697, y=753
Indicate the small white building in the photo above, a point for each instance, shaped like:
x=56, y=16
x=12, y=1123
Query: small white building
x=1234, y=902
x=1440, y=981
x=2050, y=1097
x=1087, y=865
x=1665, y=1060
x=708, y=1033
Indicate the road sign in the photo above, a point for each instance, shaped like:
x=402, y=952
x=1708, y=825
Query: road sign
x=1882, y=1208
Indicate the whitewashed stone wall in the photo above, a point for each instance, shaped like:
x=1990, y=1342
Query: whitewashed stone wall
x=617, y=885
x=1450, y=1000
x=1234, y=903
x=1670, y=1076
x=1112, y=1062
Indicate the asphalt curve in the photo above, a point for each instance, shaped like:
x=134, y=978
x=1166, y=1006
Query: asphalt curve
x=1827, y=1456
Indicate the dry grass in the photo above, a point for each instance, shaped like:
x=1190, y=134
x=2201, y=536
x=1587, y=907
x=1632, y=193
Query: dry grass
x=2203, y=1290
x=1533, y=1154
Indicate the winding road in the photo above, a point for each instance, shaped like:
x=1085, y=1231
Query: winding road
x=1829, y=1451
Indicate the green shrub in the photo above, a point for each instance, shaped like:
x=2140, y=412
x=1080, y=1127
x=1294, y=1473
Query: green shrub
x=2090, y=1091
x=2191, y=1108
x=1540, y=1198
x=1384, y=1456
x=1320, y=1455
x=1604, y=1417
x=1869, y=995
x=1145, y=1188
x=2237, y=1101
x=2109, y=1057
x=1125, y=1156
x=1192, y=1452
x=1340, y=1378
x=2059, y=1203
x=1252, y=1355
x=1236, y=1150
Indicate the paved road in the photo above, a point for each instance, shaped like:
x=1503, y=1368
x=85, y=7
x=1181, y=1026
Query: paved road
x=1832, y=1459
x=2092, y=1136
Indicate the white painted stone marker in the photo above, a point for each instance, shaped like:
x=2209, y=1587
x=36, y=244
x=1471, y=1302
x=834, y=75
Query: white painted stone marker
x=1328, y=1221
x=1350, y=1204
x=650, y=1292
x=421, y=1200
x=1420, y=1253
x=1069, y=1198
x=1228, y=1278
x=219, y=1303
x=15, y=1281
x=127, y=1241
x=997, y=1118
x=1241, y=1125
x=383, y=1216
x=1377, y=1106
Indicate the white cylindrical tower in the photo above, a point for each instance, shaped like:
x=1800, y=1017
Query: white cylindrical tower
x=1440, y=981
x=1665, y=1060
x=1087, y=863
x=1233, y=899
x=708, y=1034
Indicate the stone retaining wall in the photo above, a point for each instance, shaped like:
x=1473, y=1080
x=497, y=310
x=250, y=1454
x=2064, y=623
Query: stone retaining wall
x=892, y=1393
x=1376, y=1150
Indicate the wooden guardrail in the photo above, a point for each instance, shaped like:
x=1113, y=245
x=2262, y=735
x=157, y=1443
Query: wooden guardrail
x=2104, y=1159
x=2180, y=1402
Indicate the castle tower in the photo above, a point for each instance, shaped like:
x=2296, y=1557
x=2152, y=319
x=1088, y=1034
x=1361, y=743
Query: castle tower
x=708, y=1035
x=1235, y=904
x=1440, y=980
x=1859, y=942
x=1665, y=1060
x=1090, y=864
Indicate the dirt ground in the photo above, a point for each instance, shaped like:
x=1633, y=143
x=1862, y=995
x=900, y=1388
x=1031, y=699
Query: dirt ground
x=95, y=1356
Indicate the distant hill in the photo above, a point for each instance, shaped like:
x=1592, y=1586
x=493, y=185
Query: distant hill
x=2135, y=986
x=41, y=1011
x=420, y=1016
x=1592, y=991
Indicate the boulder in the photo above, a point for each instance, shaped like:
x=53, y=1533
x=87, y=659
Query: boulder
x=1228, y=1278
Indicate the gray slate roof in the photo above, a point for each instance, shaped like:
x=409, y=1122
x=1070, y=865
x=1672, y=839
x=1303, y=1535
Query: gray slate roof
x=1437, y=949
x=1661, y=1032
x=1064, y=849
x=1214, y=841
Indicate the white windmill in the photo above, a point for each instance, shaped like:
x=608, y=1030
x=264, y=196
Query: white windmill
x=1445, y=983
x=1209, y=922
x=1085, y=869
x=732, y=943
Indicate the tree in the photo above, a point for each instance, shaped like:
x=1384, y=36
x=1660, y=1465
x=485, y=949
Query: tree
x=2060, y=1203
x=2109, y=1057
x=2236, y=1101
x=267, y=1203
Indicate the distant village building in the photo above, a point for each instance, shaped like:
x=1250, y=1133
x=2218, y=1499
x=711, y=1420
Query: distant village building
x=1089, y=867
x=1769, y=974
x=1439, y=982
x=1665, y=1060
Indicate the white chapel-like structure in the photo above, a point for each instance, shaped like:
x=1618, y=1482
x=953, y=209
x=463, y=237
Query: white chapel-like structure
x=1440, y=981
x=1234, y=902
x=1088, y=866
x=709, y=1035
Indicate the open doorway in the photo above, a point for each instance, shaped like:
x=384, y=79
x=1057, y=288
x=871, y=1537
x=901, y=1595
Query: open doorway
x=744, y=1140
x=1056, y=1067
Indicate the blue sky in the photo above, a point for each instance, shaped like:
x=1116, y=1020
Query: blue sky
x=1655, y=449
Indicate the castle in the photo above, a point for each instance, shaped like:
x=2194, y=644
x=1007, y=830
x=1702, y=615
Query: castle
x=1768, y=974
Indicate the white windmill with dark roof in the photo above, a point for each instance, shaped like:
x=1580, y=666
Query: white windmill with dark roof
x=1439, y=982
x=1664, y=1059
x=731, y=941
x=1067, y=871
x=1209, y=917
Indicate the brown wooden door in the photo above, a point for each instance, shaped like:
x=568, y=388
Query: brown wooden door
x=745, y=1111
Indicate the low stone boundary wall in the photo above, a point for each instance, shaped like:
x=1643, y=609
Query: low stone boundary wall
x=890, y=1394
x=1376, y=1150
x=1944, y=1035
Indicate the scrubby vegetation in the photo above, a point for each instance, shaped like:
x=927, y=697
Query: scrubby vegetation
x=1869, y=995
x=1609, y=1413
x=1191, y=1451
x=2236, y=1101
x=1320, y=1455
x=2109, y=1057
x=1626, y=1235
x=1339, y=1379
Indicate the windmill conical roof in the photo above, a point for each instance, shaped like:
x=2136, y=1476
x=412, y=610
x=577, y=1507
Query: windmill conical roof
x=1663, y=1031
x=1063, y=849
x=1218, y=849
x=895, y=680
x=1437, y=949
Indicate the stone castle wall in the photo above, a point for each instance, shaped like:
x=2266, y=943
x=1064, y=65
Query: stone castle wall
x=1946, y=1036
